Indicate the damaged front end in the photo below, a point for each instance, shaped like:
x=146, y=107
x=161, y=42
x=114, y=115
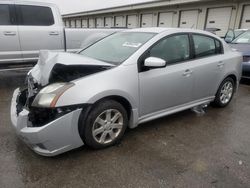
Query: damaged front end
x=48, y=129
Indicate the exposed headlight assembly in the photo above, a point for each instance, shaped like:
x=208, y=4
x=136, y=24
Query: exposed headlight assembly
x=49, y=95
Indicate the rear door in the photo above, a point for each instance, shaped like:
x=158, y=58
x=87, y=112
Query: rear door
x=208, y=65
x=9, y=40
x=38, y=30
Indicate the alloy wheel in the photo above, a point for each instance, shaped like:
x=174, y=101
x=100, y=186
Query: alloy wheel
x=107, y=126
x=226, y=92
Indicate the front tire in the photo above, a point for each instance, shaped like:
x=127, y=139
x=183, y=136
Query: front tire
x=225, y=93
x=104, y=125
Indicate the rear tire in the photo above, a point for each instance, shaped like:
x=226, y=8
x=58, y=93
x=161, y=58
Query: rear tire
x=225, y=93
x=105, y=125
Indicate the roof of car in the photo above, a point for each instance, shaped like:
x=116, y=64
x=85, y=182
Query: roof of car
x=165, y=29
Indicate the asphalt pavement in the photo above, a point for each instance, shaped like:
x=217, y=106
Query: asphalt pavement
x=182, y=150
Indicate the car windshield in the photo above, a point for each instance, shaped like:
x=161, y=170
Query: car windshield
x=243, y=38
x=118, y=47
x=238, y=32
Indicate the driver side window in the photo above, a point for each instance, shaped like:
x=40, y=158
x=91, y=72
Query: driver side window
x=172, y=49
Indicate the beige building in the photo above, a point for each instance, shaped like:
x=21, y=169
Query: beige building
x=200, y=14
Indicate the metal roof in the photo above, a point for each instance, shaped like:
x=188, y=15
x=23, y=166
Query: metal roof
x=149, y=4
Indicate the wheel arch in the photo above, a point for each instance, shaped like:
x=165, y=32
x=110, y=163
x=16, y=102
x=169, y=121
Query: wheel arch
x=234, y=77
x=126, y=101
x=230, y=75
x=122, y=100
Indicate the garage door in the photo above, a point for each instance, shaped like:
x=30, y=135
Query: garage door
x=189, y=19
x=78, y=23
x=84, y=23
x=72, y=23
x=67, y=23
x=219, y=18
x=166, y=19
x=91, y=22
x=99, y=22
x=245, y=22
x=132, y=21
x=146, y=20
x=119, y=21
x=108, y=22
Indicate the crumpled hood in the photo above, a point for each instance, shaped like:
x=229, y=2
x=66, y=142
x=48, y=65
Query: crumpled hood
x=243, y=48
x=47, y=60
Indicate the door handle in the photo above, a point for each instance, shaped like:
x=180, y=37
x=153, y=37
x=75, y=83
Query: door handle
x=220, y=64
x=9, y=33
x=187, y=73
x=53, y=33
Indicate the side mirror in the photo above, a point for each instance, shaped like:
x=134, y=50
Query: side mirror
x=228, y=40
x=230, y=36
x=154, y=62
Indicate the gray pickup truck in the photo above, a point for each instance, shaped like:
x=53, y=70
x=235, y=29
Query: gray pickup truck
x=28, y=27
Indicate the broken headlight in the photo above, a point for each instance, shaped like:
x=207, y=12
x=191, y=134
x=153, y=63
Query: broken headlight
x=49, y=95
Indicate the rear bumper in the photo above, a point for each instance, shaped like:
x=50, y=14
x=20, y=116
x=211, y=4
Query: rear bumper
x=246, y=70
x=56, y=137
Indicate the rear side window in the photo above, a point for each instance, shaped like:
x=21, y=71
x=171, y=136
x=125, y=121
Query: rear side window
x=206, y=46
x=5, y=15
x=36, y=15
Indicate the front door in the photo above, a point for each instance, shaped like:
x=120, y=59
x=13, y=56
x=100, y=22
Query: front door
x=38, y=30
x=170, y=86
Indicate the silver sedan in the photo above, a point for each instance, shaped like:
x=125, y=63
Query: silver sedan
x=125, y=79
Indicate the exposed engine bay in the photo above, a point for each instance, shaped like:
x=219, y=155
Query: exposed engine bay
x=54, y=68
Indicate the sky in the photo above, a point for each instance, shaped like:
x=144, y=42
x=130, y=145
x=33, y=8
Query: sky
x=72, y=6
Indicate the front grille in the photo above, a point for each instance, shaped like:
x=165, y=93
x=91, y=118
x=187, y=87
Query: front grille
x=41, y=116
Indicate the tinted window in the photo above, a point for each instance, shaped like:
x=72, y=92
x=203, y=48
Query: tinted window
x=4, y=15
x=172, y=49
x=36, y=15
x=205, y=46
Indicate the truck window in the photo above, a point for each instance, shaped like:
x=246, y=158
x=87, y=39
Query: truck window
x=35, y=15
x=5, y=15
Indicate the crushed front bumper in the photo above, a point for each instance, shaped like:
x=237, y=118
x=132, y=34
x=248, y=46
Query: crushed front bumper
x=56, y=137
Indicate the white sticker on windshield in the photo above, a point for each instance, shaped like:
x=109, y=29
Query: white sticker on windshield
x=132, y=44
